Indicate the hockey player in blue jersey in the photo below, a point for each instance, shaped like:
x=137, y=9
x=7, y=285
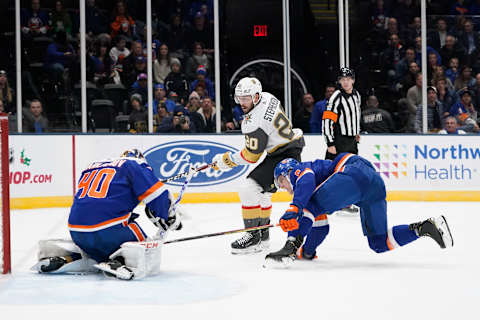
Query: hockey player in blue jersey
x=321, y=187
x=101, y=221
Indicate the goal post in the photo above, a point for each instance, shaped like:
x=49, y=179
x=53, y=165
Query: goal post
x=5, y=259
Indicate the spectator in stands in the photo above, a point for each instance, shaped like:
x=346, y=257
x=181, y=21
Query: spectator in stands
x=179, y=122
x=202, y=79
x=61, y=19
x=434, y=113
x=468, y=122
x=451, y=127
x=118, y=53
x=140, y=86
x=103, y=71
x=409, y=79
x=445, y=95
x=198, y=58
x=60, y=55
x=403, y=65
x=432, y=66
x=158, y=116
x=160, y=96
x=457, y=29
x=302, y=117
x=318, y=109
x=139, y=68
x=201, y=90
x=2, y=108
x=465, y=79
x=375, y=119
x=459, y=8
x=207, y=111
x=177, y=81
x=414, y=94
x=6, y=93
x=122, y=24
x=392, y=56
x=418, y=49
x=437, y=37
x=470, y=40
x=178, y=8
x=193, y=105
x=176, y=37
x=138, y=117
x=201, y=32
x=96, y=23
x=464, y=105
x=136, y=50
x=405, y=11
x=34, y=21
x=452, y=72
x=378, y=14
x=33, y=120
x=452, y=49
x=475, y=89
x=161, y=65
x=415, y=28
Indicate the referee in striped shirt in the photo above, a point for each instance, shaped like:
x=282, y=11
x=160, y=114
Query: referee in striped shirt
x=341, y=119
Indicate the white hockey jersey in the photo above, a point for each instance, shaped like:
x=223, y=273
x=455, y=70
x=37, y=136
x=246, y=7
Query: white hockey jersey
x=266, y=128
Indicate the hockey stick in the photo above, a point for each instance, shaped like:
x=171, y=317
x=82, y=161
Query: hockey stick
x=222, y=233
x=186, y=173
x=189, y=177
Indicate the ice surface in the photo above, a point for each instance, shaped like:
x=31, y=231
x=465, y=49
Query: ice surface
x=202, y=280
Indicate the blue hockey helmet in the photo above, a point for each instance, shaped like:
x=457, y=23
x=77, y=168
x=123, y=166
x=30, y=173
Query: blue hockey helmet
x=283, y=168
x=133, y=153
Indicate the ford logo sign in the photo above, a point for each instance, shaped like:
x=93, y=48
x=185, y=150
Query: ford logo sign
x=172, y=158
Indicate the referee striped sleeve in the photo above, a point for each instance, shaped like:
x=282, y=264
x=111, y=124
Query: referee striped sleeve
x=330, y=117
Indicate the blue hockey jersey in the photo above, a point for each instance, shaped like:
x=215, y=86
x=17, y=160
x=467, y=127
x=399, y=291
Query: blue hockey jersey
x=307, y=177
x=109, y=190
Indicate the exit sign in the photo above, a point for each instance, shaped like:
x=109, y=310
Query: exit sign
x=260, y=30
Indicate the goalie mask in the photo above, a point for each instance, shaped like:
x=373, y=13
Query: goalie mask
x=248, y=87
x=133, y=153
x=283, y=168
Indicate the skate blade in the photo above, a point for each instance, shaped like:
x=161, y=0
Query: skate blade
x=284, y=263
x=250, y=250
x=265, y=244
x=445, y=231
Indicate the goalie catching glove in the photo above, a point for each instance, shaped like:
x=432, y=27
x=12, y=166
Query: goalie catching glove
x=223, y=161
x=289, y=220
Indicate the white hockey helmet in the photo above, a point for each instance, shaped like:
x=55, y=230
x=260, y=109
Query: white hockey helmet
x=248, y=87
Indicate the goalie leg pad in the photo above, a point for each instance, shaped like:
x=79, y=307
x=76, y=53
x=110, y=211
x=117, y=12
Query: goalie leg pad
x=142, y=258
x=55, y=256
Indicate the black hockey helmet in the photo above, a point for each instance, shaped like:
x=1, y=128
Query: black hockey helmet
x=132, y=153
x=346, y=72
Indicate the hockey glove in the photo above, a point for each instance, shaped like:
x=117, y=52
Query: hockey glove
x=289, y=220
x=171, y=223
x=223, y=161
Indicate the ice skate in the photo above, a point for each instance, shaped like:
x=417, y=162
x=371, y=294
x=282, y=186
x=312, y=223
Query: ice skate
x=50, y=264
x=115, y=268
x=265, y=238
x=301, y=255
x=285, y=256
x=250, y=242
x=435, y=228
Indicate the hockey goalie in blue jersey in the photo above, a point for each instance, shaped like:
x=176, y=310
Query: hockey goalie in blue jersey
x=102, y=224
x=322, y=187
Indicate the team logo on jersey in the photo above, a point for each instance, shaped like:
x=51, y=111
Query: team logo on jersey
x=172, y=158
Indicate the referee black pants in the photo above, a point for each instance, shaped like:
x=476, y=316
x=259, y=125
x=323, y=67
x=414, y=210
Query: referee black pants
x=343, y=144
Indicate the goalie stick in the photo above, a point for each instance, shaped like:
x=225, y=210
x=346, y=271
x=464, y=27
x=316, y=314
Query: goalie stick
x=222, y=233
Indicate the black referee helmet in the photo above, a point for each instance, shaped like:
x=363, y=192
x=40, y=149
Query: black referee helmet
x=346, y=72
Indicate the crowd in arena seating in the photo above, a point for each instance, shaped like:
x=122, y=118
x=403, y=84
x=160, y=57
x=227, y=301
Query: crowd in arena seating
x=183, y=71
x=117, y=75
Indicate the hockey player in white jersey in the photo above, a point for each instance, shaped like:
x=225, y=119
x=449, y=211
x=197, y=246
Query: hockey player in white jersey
x=266, y=129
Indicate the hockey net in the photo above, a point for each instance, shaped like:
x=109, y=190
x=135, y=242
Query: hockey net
x=4, y=197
